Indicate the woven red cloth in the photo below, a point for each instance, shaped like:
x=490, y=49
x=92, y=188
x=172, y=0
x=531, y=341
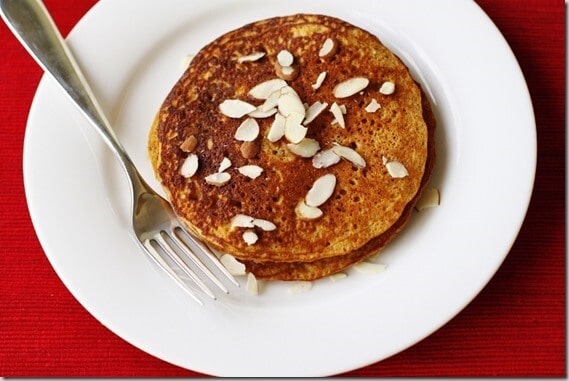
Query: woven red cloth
x=514, y=327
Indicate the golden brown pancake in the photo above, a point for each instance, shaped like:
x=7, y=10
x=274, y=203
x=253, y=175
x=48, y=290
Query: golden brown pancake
x=368, y=206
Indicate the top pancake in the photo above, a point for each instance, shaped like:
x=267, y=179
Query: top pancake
x=366, y=201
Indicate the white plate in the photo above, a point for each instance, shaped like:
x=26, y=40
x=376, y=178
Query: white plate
x=132, y=53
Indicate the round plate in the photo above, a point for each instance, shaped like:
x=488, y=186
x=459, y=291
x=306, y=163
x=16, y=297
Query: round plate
x=132, y=53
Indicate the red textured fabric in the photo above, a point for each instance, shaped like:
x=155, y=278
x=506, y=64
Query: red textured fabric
x=515, y=327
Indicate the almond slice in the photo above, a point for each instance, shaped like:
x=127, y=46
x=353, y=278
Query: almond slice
x=350, y=87
x=225, y=164
x=189, y=166
x=264, y=89
x=396, y=169
x=271, y=101
x=306, y=148
x=325, y=159
x=285, y=58
x=259, y=113
x=251, y=57
x=232, y=265
x=294, y=131
x=218, y=179
x=187, y=61
x=249, y=150
x=313, y=111
x=265, y=225
x=242, y=221
x=430, y=198
x=329, y=47
x=290, y=102
x=387, y=88
x=319, y=80
x=338, y=114
x=349, y=154
x=277, y=129
x=369, y=267
x=287, y=73
x=251, y=171
x=336, y=277
x=235, y=108
x=300, y=287
x=373, y=106
x=307, y=212
x=252, y=286
x=247, y=131
x=189, y=144
x=321, y=190
x=250, y=237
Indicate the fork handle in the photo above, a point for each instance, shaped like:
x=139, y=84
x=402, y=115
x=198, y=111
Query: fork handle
x=31, y=23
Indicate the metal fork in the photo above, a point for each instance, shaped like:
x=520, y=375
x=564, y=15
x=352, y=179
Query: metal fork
x=154, y=224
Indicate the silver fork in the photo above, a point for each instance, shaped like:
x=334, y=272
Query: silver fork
x=154, y=224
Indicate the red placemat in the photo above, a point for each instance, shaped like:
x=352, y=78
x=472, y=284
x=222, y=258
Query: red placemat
x=514, y=327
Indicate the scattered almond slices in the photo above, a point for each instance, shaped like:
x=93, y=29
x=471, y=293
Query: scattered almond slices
x=373, y=106
x=232, y=265
x=319, y=80
x=277, y=129
x=264, y=90
x=251, y=57
x=349, y=154
x=250, y=237
x=387, y=88
x=235, y=108
x=306, y=212
x=285, y=58
x=294, y=131
x=430, y=198
x=325, y=159
x=321, y=190
x=369, y=267
x=396, y=169
x=350, y=87
x=313, y=111
x=300, y=287
x=252, y=286
x=338, y=114
x=189, y=166
x=218, y=179
x=247, y=131
x=251, y=171
x=308, y=147
x=329, y=48
x=224, y=165
x=242, y=221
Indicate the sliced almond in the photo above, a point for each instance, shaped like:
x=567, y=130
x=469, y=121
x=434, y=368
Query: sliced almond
x=264, y=89
x=189, y=144
x=430, y=198
x=290, y=102
x=235, y=108
x=369, y=267
x=325, y=159
x=396, y=169
x=242, y=221
x=218, y=179
x=277, y=129
x=187, y=61
x=294, y=131
x=247, y=131
x=252, y=286
x=285, y=58
x=265, y=225
x=349, y=154
x=300, y=287
x=307, y=212
x=387, y=88
x=329, y=48
x=313, y=111
x=350, y=87
x=321, y=190
x=232, y=265
x=249, y=150
x=225, y=164
x=190, y=166
x=306, y=148
x=336, y=277
x=251, y=57
x=287, y=73
x=271, y=102
x=338, y=114
x=373, y=106
x=251, y=171
x=250, y=237
x=260, y=113
x=319, y=80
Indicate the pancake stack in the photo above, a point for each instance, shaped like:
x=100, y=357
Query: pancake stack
x=297, y=144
